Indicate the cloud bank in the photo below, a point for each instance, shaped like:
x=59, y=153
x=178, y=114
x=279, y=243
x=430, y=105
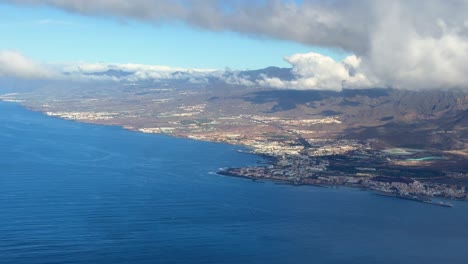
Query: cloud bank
x=134, y=73
x=309, y=71
x=14, y=64
x=408, y=44
x=316, y=71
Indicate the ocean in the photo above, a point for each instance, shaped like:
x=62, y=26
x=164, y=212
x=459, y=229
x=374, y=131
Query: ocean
x=81, y=193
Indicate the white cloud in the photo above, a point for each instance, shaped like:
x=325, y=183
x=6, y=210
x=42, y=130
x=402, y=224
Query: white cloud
x=319, y=72
x=134, y=73
x=126, y=67
x=419, y=70
x=234, y=78
x=14, y=64
x=407, y=55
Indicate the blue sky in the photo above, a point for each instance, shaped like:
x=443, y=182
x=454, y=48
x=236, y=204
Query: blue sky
x=51, y=35
x=388, y=43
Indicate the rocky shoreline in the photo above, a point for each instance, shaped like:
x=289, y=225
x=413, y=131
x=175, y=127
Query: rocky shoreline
x=398, y=187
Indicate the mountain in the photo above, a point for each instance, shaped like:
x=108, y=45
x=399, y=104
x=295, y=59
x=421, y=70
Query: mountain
x=429, y=118
x=271, y=72
x=424, y=119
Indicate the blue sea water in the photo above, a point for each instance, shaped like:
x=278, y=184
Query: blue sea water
x=80, y=193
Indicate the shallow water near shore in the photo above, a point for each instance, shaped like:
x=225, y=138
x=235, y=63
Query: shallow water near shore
x=80, y=193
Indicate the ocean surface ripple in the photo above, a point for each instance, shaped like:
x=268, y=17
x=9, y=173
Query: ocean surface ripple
x=81, y=193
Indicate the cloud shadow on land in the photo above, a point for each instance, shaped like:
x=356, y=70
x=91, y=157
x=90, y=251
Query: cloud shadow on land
x=289, y=99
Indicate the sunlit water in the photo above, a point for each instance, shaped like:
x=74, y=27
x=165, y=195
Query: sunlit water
x=79, y=193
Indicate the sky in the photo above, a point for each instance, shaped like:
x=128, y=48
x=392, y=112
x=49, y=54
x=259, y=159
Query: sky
x=328, y=44
x=51, y=35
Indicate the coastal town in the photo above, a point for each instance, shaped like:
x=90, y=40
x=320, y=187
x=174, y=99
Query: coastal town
x=317, y=174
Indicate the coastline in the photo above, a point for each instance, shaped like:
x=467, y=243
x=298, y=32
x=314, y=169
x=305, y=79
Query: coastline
x=248, y=149
x=422, y=199
x=270, y=160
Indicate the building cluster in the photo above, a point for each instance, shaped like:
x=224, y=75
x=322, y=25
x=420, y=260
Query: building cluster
x=304, y=168
x=157, y=130
x=307, y=174
x=292, y=122
x=83, y=115
x=315, y=121
x=10, y=97
x=334, y=147
x=193, y=108
x=417, y=188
